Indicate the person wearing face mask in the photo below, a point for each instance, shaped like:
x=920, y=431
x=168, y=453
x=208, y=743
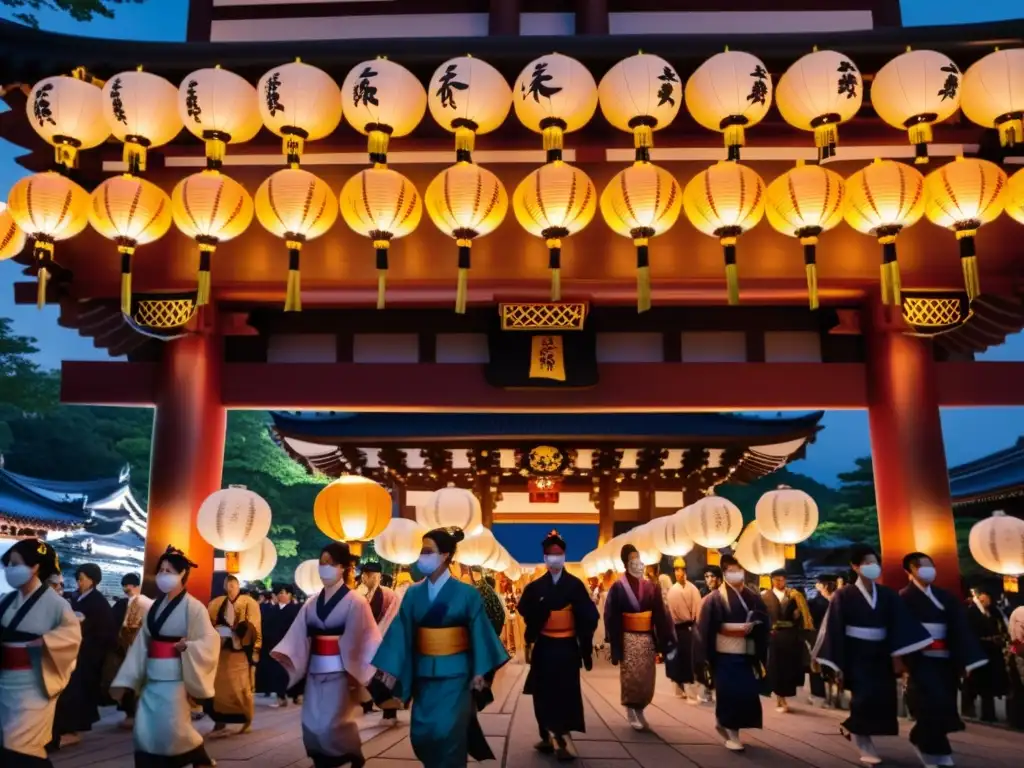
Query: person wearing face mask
x=277, y=617
x=934, y=673
x=238, y=621
x=331, y=643
x=821, y=684
x=637, y=627
x=129, y=613
x=439, y=653
x=560, y=622
x=384, y=605
x=39, y=642
x=732, y=646
x=712, y=581
x=866, y=630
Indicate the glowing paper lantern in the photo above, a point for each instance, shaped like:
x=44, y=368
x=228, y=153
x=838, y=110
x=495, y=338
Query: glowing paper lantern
x=220, y=108
x=451, y=507
x=233, y=519
x=884, y=198
x=299, y=103
x=258, y=562
x=400, y=542
x=804, y=202
x=817, y=93
x=68, y=113
x=514, y=572
x=642, y=537
x=307, y=577
x=12, y=239
x=383, y=99
x=997, y=544
x=210, y=208
x=298, y=207
x=555, y=201
x=468, y=97
x=786, y=516
x=478, y=549
x=141, y=110
x=555, y=95
x=640, y=95
x=352, y=509
x=713, y=522
x=499, y=561
x=670, y=535
x=993, y=94
x=730, y=92
x=725, y=201
x=756, y=553
x=1015, y=196
x=962, y=196
x=383, y=205
x=915, y=91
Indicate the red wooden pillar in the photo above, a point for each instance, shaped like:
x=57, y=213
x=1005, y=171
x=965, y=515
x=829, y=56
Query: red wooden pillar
x=188, y=454
x=915, y=512
x=504, y=17
x=592, y=17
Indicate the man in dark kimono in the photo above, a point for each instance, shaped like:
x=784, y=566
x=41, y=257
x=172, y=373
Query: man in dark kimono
x=934, y=673
x=866, y=629
x=732, y=642
x=560, y=622
x=712, y=581
x=988, y=625
x=822, y=681
x=791, y=619
x=277, y=617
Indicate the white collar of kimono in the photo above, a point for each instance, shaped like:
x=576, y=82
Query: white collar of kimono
x=433, y=587
x=927, y=589
x=85, y=594
x=556, y=575
x=779, y=593
x=872, y=596
x=981, y=607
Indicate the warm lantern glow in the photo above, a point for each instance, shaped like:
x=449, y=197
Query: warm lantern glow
x=12, y=239
x=514, y=572
x=555, y=95
x=641, y=95
x=756, y=553
x=914, y=91
x=68, y=113
x=210, y=208
x=131, y=212
x=730, y=92
x=257, y=562
x=299, y=103
x=993, y=94
x=641, y=202
x=499, y=561
x=962, y=196
x=725, y=201
x=1015, y=196
x=478, y=549
x=451, y=507
x=141, y=110
x=670, y=535
x=804, y=202
x=233, y=519
x=220, y=108
x=817, y=93
x=786, y=516
x=997, y=544
x=383, y=205
x=307, y=577
x=884, y=198
x=383, y=99
x=468, y=97
x=465, y=202
x=47, y=207
x=296, y=206
x=713, y=522
x=555, y=201
x=352, y=509
x=400, y=542
x=642, y=537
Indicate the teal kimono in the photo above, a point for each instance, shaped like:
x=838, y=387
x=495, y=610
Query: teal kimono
x=444, y=729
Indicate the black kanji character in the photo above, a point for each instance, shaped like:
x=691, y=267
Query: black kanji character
x=273, y=95
x=41, y=107
x=448, y=85
x=668, y=77
x=537, y=84
x=192, y=101
x=951, y=83
x=363, y=91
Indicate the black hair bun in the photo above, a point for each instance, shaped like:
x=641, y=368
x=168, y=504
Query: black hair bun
x=458, y=535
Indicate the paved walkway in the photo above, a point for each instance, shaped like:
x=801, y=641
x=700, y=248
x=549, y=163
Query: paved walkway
x=682, y=737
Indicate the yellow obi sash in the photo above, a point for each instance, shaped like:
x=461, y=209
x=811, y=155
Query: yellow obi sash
x=443, y=641
x=560, y=624
x=636, y=622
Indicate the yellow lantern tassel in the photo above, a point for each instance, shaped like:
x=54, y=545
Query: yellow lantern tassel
x=552, y=134
x=732, y=275
x=826, y=137
x=381, y=247
x=65, y=153
x=890, y=271
x=764, y=581
x=555, y=265
x=714, y=557
x=643, y=274
x=43, y=253
x=465, y=140
x=377, y=145
x=293, y=291
x=969, y=262
x=1011, y=129
x=463, y=284
x=735, y=138
x=42, y=280
x=810, y=244
x=1011, y=584
x=126, y=250
x=790, y=551
x=920, y=136
x=134, y=154
x=216, y=149
x=293, y=143
x=206, y=249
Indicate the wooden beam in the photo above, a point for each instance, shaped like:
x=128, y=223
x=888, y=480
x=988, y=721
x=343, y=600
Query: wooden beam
x=108, y=383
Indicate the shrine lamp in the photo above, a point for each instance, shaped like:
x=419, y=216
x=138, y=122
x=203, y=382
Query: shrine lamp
x=640, y=95
x=642, y=202
x=554, y=202
x=555, y=95
x=130, y=212
x=713, y=522
x=12, y=239
x=724, y=201
x=210, y=208
x=68, y=114
x=451, y=507
x=786, y=516
x=803, y=203
x=256, y=563
x=141, y=111
x=759, y=555
x=885, y=198
x=400, y=542
x=962, y=196
x=299, y=103
x=993, y=94
x=465, y=202
x=468, y=97
x=728, y=93
x=819, y=92
x=915, y=91
x=670, y=535
x=220, y=108
x=296, y=206
x=383, y=205
x=476, y=550
x=233, y=519
x=47, y=207
x=353, y=509
x=307, y=576
x=383, y=100
x=1015, y=196
x=997, y=545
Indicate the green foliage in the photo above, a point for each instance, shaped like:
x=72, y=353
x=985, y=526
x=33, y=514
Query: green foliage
x=79, y=10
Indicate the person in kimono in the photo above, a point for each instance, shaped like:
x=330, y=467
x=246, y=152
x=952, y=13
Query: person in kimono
x=384, y=605
x=683, y=607
x=866, y=631
x=712, y=581
x=637, y=627
x=438, y=653
x=934, y=673
x=78, y=705
x=39, y=642
x=331, y=643
x=56, y=583
x=129, y=613
x=822, y=685
x=237, y=619
x=560, y=622
x=171, y=663
x=1015, y=670
x=990, y=682
x=791, y=619
x=278, y=615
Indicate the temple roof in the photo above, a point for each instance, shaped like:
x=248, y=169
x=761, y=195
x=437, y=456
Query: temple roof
x=996, y=476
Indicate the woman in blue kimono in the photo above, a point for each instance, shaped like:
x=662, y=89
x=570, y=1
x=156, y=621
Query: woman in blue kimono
x=438, y=652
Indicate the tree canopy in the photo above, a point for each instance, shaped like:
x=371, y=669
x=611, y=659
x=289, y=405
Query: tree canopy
x=79, y=10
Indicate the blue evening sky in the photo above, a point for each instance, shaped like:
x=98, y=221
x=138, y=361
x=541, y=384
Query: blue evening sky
x=969, y=433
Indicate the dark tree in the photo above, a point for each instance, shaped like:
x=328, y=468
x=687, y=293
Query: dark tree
x=79, y=10
x=857, y=487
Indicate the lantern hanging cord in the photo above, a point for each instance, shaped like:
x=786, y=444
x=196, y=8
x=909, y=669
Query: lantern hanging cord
x=207, y=245
x=919, y=132
x=641, y=240
x=134, y=154
x=553, y=240
x=643, y=136
x=734, y=135
x=1011, y=128
x=969, y=259
x=293, y=291
x=809, y=240
x=381, y=243
x=126, y=248
x=553, y=134
x=891, y=287
x=42, y=250
x=377, y=139
x=465, y=244
x=293, y=143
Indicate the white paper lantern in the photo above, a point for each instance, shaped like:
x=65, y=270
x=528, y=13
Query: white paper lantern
x=299, y=103
x=468, y=97
x=451, y=507
x=478, y=549
x=68, y=113
x=220, y=108
x=640, y=95
x=401, y=541
x=500, y=561
x=713, y=522
x=997, y=544
x=383, y=99
x=233, y=519
x=642, y=537
x=670, y=535
x=514, y=572
x=730, y=92
x=141, y=110
x=817, y=93
x=257, y=562
x=786, y=516
x=307, y=577
x=555, y=95
x=993, y=94
x=757, y=554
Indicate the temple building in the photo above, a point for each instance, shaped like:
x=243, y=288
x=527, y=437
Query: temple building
x=993, y=482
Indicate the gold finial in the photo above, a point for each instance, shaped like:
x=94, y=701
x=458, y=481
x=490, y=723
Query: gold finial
x=908, y=49
x=727, y=49
x=298, y=59
x=138, y=68
x=814, y=49
x=216, y=66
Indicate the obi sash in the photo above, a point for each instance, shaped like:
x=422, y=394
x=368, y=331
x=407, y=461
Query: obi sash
x=636, y=622
x=163, y=648
x=324, y=650
x=15, y=658
x=733, y=638
x=560, y=624
x=868, y=634
x=163, y=661
x=939, y=648
x=15, y=655
x=442, y=641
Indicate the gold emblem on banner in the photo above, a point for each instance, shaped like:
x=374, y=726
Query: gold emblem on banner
x=547, y=358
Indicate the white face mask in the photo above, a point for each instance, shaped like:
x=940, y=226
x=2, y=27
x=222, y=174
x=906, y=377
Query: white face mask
x=735, y=577
x=926, y=574
x=429, y=563
x=18, y=575
x=329, y=575
x=871, y=571
x=554, y=561
x=636, y=568
x=165, y=582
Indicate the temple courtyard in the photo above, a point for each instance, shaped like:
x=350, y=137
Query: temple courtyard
x=681, y=736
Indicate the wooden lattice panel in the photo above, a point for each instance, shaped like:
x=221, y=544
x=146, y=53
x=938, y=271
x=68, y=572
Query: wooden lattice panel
x=164, y=314
x=932, y=311
x=548, y=316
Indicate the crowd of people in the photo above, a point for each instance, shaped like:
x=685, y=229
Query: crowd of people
x=435, y=645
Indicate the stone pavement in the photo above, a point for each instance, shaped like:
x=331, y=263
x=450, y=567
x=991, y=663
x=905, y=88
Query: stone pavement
x=682, y=736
